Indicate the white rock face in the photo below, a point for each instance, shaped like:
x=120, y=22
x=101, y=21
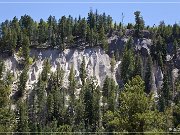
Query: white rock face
x=97, y=64
x=159, y=78
x=96, y=60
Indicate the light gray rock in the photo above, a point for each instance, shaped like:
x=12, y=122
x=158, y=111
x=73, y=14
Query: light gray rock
x=159, y=78
x=33, y=75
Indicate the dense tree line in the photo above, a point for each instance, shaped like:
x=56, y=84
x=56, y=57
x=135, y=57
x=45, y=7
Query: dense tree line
x=62, y=33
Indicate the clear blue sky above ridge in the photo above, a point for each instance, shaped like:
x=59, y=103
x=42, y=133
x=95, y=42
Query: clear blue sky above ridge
x=152, y=13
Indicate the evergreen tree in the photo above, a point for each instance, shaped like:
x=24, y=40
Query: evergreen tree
x=22, y=82
x=175, y=30
x=117, y=55
x=109, y=23
x=112, y=95
x=139, y=24
x=26, y=24
x=25, y=49
x=106, y=87
x=109, y=94
x=42, y=32
x=96, y=109
x=148, y=75
x=40, y=90
x=22, y=125
x=101, y=34
x=52, y=24
x=88, y=38
x=62, y=30
x=140, y=115
x=15, y=26
x=113, y=62
x=161, y=102
x=138, y=70
x=59, y=76
x=105, y=45
x=91, y=19
x=1, y=68
x=127, y=66
x=166, y=90
x=83, y=29
x=90, y=102
x=72, y=83
x=83, y=72
x=50, y=106
x=72, y=87
x=175, y=44
x=79, y=115
x=58, y=97
x=46, y=70
x=7, y=117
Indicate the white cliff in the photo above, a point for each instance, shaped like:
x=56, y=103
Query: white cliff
x=97, y=64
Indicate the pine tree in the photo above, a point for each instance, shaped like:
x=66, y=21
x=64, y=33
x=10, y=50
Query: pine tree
x=161, y=102
x=72, y=83
x=101, y=34
x=117, y=55
x=40, y=91
x=112, y=96
x=105, y=45
x=96, y=109
x=166, y=90
x=148, y=75
x=26, y=24
x=106, y=87
x=91, y=19
x=1, y=68
x=109, y=23
x=42, y=32
x=175, y=44
x=22, y=82
x=50, y=106
x=72, y=87
x=83, y=72
x=79, y=115
x=25, y=49
x=7, y=116
x=46, y=70
x=112, y=63
x=139, y=24
x=59, y=76
x=138, y=70
x=83, y=29
x=62, y=31
x=175, y=30
x=52, y=24
x=88, y=103
x=136, y=113
x=127, y=66
x=109, y=94
x=22, y=125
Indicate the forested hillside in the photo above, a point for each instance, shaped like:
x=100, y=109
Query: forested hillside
x=89, y=75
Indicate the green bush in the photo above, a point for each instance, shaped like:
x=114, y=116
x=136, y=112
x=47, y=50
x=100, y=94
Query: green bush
x=19, y=53
x=30, y=61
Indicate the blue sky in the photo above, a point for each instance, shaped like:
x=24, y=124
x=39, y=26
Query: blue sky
x=151, y=12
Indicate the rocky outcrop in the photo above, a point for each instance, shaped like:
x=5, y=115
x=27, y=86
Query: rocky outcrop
x=159, y=78
x=145, y=33
x=177, y=61
x=97, y=64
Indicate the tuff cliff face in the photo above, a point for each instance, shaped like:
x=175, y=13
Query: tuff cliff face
x=96, y=60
